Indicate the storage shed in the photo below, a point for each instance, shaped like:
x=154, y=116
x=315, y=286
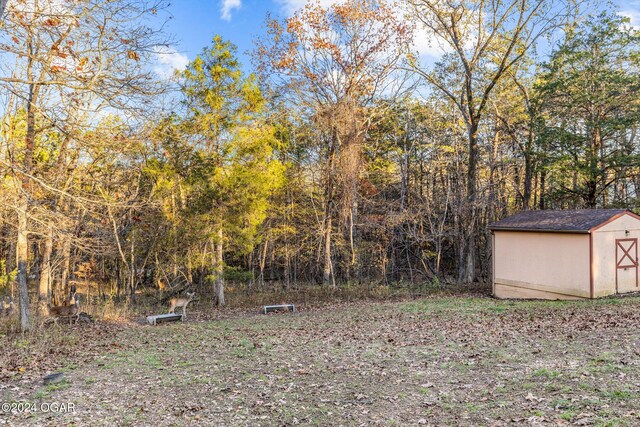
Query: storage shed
x=566, y=254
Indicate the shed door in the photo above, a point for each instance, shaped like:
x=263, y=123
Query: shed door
x=627, y=265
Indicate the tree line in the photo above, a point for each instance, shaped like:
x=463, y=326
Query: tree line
x=344, y=157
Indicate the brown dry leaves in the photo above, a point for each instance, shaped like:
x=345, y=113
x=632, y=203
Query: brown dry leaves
x=439, y=361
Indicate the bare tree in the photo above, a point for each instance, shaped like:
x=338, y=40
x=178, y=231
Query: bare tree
x=89, y=55
x=486, y=39
x=335, y=62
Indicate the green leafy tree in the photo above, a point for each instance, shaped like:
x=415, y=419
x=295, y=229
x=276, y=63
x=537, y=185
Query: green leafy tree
x=591, y=103
x=234, y=169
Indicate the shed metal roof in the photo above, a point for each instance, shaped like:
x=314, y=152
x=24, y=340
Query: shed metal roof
x=558, y=221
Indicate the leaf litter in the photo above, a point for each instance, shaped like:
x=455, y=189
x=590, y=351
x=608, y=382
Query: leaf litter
x=434, y=361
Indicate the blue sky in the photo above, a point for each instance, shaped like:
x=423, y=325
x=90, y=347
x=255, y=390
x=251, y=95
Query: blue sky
x=195, y=22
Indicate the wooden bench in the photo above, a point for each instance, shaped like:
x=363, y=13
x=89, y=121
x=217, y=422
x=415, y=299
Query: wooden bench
x=161, y=318
x=278, y=308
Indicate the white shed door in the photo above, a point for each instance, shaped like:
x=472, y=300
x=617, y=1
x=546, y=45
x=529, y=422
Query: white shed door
x=627, y=265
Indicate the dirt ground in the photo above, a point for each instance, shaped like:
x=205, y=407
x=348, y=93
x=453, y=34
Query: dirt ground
x=459, y=361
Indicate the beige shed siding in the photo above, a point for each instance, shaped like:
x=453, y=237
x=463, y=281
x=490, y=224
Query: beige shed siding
x=624, y=222
x=517, y=291
x=541, y=265
x=604, y=256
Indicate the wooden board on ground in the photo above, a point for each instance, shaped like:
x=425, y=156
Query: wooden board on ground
x=161, y=318
x=278, y=308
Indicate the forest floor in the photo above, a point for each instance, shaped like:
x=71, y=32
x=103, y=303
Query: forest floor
x=460, y=361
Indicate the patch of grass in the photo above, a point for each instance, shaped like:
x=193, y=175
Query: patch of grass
x=152, y=360
x=40, y=394
x=546, y=373
x=456, y=365
x=442, y=306
x=62, y=385
x=46, y=390
x=568, y=415
x=582, y=385
x=246, y=348
x=472, y=407
x=467, y=306
x=611, y=422
x=552, y=387
x=22, y=343
x=564, y=404
x=618, y=394
x=606, y=368
x=69, y=367
x=602, y=358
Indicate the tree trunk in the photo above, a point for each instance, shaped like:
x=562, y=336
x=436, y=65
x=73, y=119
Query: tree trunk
x=466, y=269
x=594, y=170
x=10, y=264
x=543, y=179
x=66, y=265
x=263, y=260
x=21, y=259
x=22, y=245
x=189, y=267
x=467, y=266
x=44, y=285
x=328, y=270
x=328, y=275
x=131, y=294
x=528, y=178
x=528, y=169
x=219, y=268
x=404, y=175
x=352, y=219
x=472, y=172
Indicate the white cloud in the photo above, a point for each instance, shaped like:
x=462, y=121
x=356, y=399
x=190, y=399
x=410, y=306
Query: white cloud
x=633, y=15
x=169, y=60
x=227, y=6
